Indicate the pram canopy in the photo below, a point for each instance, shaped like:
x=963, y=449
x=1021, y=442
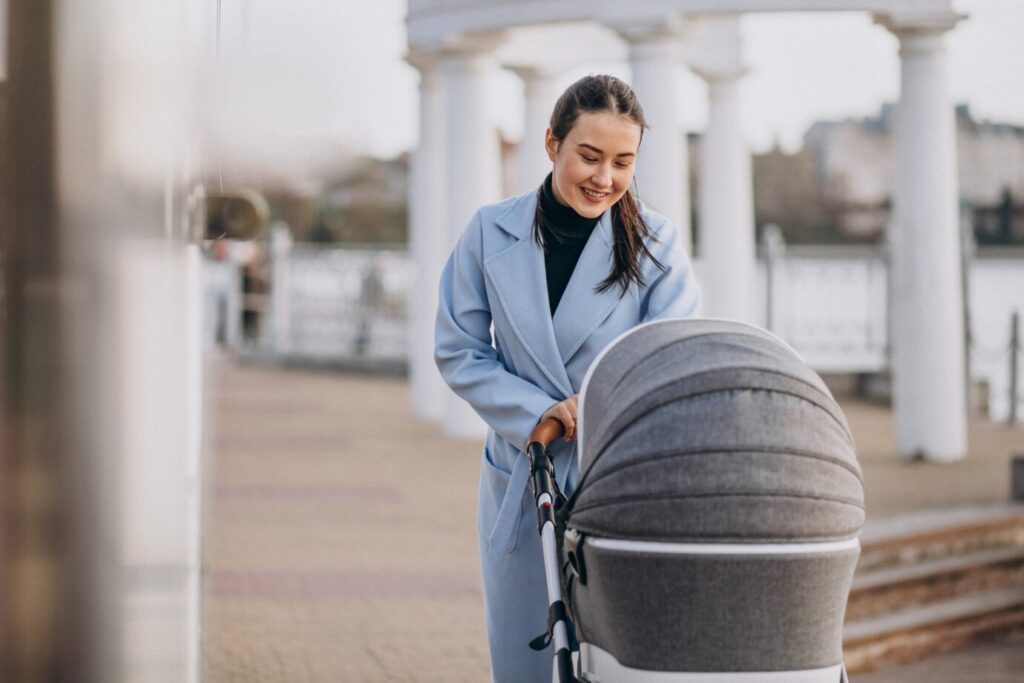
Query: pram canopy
x=697, y=430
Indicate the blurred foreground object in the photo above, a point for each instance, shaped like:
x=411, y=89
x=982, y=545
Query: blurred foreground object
x=99, y=352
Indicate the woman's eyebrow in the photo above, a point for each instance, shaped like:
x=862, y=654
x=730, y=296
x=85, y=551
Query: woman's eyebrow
x=598, y=150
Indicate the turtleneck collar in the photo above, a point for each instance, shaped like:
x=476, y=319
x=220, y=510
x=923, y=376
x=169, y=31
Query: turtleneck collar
x=563, y=221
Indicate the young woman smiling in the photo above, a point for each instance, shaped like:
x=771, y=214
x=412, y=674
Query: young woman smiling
x=603, y=263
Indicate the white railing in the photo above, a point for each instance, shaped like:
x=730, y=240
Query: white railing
x=995, y=290
x=347, y=306
x=345, y=303
x=831, y=305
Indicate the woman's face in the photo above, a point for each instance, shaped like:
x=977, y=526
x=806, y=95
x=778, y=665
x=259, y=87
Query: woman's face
x=594, y=164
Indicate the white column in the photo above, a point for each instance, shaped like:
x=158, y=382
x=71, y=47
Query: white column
x=280, y=319
x=472, y=171
x=428, y=243
x=928, y=326
x=662, y=167
x=726, y=191
x=3, y=40
x=540, y=92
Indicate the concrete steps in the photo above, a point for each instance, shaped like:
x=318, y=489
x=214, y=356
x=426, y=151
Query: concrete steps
x=930, y=582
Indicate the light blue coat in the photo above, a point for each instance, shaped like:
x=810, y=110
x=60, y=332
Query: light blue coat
x=495, y=276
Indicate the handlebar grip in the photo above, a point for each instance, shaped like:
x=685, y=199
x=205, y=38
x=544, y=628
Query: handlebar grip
x=546, y=431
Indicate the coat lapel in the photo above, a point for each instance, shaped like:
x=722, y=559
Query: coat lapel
x=582, y=308
x=517, y=275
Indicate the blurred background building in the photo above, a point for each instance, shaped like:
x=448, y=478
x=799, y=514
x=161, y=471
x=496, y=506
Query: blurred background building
x=835, y=183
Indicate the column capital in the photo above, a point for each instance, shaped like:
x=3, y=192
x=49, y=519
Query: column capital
x=908, y=26
x=664, y=31
x=422, y=59
x=719, y=76
x=476, y=44
x=714, y=49
x=470, y=53
x=428, y=64
x=532, y=73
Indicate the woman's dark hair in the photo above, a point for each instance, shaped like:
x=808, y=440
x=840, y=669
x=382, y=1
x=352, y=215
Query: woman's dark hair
x=606, y=94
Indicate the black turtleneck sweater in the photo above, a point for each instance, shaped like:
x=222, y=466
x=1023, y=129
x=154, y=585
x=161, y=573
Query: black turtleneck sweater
x=564, y=233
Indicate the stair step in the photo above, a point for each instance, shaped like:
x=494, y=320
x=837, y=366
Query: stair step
x=947, y=565
x=922, y=630
x=926, y=536
x=894, y=588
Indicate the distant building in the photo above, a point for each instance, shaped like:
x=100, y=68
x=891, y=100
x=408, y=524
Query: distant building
x=855, y=164
x=366, y=204
x=788, y=191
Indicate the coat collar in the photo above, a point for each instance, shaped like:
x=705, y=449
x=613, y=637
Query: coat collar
x=517, y=274
x=517, y=219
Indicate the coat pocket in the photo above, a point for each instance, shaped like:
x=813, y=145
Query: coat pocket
x=501, y=503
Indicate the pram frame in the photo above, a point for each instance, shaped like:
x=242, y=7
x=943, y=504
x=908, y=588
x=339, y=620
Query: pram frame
x=546, y=493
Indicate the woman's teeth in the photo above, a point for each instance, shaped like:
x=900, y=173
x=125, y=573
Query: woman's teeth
x=594, y=195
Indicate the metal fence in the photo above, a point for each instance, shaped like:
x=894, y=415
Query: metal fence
x=346, y=307
x=344, y=303
x=831, y=305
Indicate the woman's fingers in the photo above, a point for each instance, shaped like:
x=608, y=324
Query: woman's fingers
x=571, y=404
x=564, y=412
x=565, y=416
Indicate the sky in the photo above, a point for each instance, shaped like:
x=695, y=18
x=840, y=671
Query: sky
x=333, y=72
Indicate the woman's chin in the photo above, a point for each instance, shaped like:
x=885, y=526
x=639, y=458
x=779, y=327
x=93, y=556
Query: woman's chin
x=589, y=209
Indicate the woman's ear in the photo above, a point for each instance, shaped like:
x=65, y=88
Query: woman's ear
x=550, y=144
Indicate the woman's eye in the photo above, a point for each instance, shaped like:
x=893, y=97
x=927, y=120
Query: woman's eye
x=622, y=164
x=589, y=160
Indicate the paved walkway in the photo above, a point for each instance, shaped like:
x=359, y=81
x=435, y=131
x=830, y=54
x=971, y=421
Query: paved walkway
x=340, y=542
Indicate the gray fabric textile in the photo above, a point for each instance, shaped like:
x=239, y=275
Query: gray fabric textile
x=711, y=430
x=715, y=613
x=702, y=431
x=635, y=369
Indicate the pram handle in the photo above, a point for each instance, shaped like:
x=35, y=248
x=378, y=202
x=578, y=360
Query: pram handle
x=546, y=431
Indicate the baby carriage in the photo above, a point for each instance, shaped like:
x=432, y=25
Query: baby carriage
x=713, y=532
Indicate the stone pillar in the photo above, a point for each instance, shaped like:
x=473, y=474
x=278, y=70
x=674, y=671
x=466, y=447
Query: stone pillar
x=726, y=191
x=472, y=162
x=662, y=168
x=428, y=242
x=928, y=320
x=541, y=92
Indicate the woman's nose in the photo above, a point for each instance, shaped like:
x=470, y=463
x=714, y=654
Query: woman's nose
x=602, y=176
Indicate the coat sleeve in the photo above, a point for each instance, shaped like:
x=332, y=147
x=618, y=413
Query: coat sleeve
x=672, y=293
x=464, y=351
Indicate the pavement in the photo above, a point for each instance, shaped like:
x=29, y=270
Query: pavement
x=340, y=544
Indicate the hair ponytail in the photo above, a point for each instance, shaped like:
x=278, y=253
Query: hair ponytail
x=628, y=245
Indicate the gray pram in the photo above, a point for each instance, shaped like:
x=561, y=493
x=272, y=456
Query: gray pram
x=713, y=533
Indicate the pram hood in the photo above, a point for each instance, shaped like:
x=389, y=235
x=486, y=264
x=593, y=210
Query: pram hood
x=712, y=431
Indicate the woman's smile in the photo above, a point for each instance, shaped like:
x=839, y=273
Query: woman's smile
x=593, y=195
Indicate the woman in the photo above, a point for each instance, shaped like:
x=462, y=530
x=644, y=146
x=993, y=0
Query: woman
x=559, y=273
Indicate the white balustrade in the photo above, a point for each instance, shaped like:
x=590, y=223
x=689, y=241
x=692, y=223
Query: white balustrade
x=829, y=303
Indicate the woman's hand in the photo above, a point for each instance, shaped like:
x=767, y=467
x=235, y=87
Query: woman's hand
x=564, y=412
